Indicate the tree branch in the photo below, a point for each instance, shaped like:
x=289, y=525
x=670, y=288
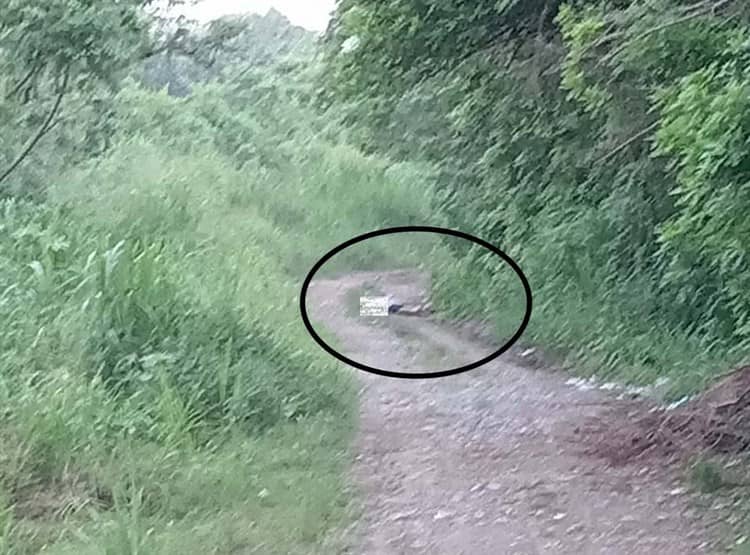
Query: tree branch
x=700, y=10
x=43, y=129
x=627, y=143
x=694, y=10
x=25, y=80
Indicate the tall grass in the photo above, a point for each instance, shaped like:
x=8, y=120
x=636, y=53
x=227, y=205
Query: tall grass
x=159, y=391
x=594, y=324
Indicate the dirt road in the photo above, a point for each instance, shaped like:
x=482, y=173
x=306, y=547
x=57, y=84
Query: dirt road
x=485, y=462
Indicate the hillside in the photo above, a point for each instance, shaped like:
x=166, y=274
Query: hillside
x=159, y=392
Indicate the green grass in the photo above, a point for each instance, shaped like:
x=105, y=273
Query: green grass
x=588, y=335
x=593, y=339
x=278, y=493
x=159, y=391
x=150, y=389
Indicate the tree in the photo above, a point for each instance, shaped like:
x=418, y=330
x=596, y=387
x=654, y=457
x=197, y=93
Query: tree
x=57, y=48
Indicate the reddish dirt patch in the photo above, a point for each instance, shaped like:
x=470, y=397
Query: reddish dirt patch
x=717, y=422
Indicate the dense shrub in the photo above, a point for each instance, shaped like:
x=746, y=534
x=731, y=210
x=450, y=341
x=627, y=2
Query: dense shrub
x=604, y=151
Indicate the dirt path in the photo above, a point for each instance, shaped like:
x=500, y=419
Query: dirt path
x=483, y=462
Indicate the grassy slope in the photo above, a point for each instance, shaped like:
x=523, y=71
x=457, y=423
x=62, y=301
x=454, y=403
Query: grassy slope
x=153, y=267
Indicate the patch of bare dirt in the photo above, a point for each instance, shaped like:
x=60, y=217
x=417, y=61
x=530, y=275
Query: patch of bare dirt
x=716, y=422
x=53, y=500
x=489, y=462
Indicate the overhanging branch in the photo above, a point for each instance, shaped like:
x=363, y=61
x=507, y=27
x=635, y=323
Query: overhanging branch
x=700, y=9
x=22, y=83
x=627, y=143
x=43, y=129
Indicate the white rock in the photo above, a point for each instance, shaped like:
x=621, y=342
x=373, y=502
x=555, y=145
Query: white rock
x=441, y=515
x=401, y=516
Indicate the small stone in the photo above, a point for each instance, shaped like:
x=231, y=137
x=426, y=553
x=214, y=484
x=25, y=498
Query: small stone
x=398, y=540
x=401, y=515
x=441, y=515
x=577, y=527
x=558, y=516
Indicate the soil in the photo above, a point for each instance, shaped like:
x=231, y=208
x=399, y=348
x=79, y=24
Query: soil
x=503, y=459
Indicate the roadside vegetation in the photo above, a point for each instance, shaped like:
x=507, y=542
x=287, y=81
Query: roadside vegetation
x=603, y=145
x=159, y=391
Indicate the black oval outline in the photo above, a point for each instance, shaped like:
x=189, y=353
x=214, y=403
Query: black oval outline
x=419, y=229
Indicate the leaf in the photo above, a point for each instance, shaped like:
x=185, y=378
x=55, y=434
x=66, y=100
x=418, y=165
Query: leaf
x=37, y=267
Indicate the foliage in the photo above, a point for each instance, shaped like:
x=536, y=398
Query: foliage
x=705, y=128
x=89, y=40
x=602, y=149
x=228, y=45
x=58, y=55
x=69, y=59
x=154, y=372
x=154, y=295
